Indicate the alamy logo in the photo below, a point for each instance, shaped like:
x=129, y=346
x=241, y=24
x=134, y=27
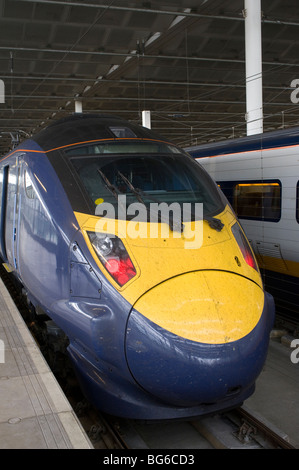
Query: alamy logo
x=2, y=352
x=295, y=353
x=295, y=93
x=174, y=217
x=2, y=91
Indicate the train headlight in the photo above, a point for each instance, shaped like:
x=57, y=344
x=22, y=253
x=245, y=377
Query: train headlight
x=113, y=256
x=103, y=244
x=244, y=246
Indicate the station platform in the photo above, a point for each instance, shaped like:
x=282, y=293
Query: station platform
x=276, y=398
x=34, y=412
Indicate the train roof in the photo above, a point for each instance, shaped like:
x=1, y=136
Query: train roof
x=81, y=127
x=266, y=140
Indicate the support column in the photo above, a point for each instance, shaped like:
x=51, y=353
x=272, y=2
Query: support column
x=253, y=51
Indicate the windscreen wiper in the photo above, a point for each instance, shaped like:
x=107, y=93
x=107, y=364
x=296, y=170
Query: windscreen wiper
x=174, y=225
x=108, y=184
x=214, y=223
x=132, y=188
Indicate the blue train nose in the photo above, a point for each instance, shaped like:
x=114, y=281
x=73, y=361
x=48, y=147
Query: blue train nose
x=184, y=372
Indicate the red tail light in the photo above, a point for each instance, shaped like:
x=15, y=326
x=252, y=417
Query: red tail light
x=122, y=270
x=114, y=256
x=244, y=246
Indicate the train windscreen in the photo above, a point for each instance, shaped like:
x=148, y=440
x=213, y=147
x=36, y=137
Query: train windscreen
x=147, y=172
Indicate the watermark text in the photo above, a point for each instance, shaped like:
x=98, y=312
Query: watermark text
x=165, y=220
x=2, y=352
x=295, y=353
x=2, y=91
x=295, y=92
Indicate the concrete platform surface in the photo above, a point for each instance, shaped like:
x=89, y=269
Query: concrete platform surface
x=34, y=412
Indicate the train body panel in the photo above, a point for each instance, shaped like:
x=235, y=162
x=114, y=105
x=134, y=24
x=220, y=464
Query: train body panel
x=189, y=382
x=196, y=296
x=141, y=302
x=267, y=207
x=171, y=255
x=44, y=220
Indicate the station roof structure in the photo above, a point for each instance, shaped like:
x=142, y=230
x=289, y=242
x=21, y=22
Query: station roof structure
x=184, y=60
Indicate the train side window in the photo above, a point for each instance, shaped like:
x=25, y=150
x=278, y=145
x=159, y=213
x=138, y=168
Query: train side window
x=260, y=200
x=297, y=202
x=28, y=186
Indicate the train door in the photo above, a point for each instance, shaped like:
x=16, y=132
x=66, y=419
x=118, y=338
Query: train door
x=4, y=186
x=16, y=220
x=11, y=209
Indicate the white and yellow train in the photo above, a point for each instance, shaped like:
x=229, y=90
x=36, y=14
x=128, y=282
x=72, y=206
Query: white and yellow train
x=260, y=177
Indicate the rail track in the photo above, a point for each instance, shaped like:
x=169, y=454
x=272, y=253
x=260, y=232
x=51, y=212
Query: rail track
x=237, y=429
x=242, y=428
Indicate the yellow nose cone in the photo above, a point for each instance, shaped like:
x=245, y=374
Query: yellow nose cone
x=205, y=306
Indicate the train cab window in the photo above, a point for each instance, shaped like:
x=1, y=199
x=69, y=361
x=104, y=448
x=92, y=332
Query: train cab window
x=29, y=190
x=151, y=172
x=117, y=147
x=258, y=200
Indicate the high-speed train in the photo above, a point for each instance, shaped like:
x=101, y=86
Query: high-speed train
x=131, y=257
x=259, y=175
